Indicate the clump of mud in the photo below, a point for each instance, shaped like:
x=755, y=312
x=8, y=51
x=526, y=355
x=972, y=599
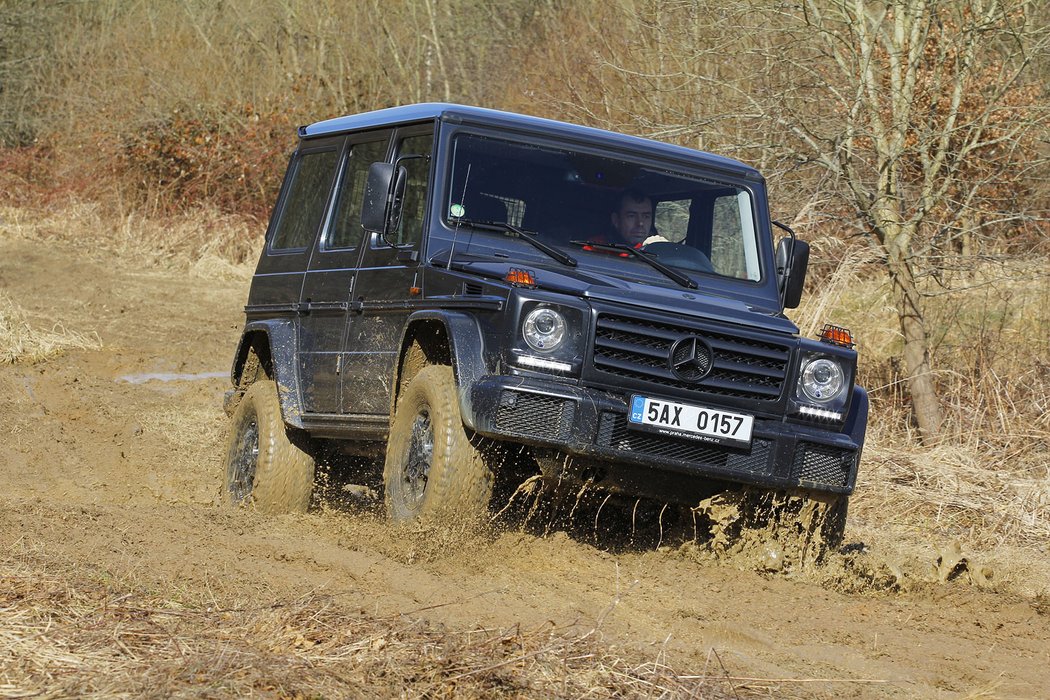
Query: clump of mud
x=801, y=535
x=348, y=484
x=769, y=532
x=858, y=568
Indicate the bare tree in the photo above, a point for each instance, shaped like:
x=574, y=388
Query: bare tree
x=934, y=114
x=923, y=117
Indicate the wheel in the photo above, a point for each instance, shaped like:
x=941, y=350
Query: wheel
x=431, y=468
x=263, y=464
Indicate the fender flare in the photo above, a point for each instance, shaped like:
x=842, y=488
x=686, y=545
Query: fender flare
x=857, y=418
x=281, y=341
x=466, y=352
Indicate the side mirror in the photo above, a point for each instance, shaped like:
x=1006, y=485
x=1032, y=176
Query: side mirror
x=377, y=192
x=384, y=195
x=792, y=260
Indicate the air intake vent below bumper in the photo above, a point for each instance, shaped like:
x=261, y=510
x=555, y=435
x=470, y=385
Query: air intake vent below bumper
x=535, y=415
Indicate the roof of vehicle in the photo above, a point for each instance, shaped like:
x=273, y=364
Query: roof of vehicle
x=479, y=115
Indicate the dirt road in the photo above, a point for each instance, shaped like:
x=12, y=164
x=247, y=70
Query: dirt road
x=110, y=463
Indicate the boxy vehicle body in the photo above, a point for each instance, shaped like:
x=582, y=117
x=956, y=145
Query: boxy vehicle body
x=438, y=268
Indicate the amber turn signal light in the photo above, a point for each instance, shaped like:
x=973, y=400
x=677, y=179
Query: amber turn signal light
x=520, y=278
x=836, y=335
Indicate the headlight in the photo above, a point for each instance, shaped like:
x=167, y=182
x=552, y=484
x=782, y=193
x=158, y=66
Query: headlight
x=822, y=380
x=544, y=329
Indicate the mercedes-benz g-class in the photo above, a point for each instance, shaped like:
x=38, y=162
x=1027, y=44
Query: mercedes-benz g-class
x=437, y=278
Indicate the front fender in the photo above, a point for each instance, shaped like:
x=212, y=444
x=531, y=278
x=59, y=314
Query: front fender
x=466, y=351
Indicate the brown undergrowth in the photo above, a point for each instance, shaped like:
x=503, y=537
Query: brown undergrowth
x=199, y=240
x=69, y=632
x=984, y=489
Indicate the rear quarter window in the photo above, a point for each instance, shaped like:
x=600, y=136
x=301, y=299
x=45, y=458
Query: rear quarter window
x=304, y=205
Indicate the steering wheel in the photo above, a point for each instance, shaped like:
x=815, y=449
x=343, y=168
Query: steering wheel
x=680, y=255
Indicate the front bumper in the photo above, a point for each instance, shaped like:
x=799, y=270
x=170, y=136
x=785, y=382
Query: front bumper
x=592, y=425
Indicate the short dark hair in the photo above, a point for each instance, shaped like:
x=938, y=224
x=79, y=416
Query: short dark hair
x=631, y=194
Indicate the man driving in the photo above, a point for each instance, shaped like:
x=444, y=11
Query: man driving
x=633, y=218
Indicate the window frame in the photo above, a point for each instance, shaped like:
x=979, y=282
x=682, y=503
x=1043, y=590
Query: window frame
x=353, y=141
x=376, y=241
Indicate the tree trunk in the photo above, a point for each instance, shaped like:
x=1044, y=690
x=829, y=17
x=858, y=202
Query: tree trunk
x=925, y=405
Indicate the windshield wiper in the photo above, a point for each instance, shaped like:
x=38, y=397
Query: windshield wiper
x=514, y=232
x=675, y=275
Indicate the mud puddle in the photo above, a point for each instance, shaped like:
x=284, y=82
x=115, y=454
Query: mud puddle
x=142, y=378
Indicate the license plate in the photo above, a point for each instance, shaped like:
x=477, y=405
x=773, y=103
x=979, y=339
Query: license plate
x=693, y=422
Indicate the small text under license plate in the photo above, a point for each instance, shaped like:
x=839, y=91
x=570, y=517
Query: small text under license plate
x=694, y=422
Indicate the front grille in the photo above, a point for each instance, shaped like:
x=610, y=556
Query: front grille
x=613, y=432
x=739, y=366
x=822, y=464
x=524, y=414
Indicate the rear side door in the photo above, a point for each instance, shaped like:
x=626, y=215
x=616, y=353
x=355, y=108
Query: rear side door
x=388, y=284
x=330, y=279
x=300, y=211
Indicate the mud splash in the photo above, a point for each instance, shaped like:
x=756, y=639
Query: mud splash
x=770, y=532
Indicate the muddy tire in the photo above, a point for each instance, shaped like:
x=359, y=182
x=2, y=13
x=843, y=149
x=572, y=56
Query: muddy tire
x=432, y=470
x=264, y=467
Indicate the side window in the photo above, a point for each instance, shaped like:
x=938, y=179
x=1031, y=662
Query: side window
x=304, y=205
x=672, y=219
x=346, y=229
x=414, y=208
x=727, y=243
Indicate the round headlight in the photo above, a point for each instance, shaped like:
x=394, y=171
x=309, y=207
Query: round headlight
x=544, y=329
x=822, y=380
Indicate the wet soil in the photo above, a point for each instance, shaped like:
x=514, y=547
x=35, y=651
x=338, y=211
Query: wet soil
x=110, y=460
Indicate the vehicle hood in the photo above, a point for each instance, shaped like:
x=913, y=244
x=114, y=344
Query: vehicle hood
x=714, y=303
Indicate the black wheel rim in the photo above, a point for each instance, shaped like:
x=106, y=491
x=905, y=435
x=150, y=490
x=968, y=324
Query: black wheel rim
x=240, y=475
x=418, y=459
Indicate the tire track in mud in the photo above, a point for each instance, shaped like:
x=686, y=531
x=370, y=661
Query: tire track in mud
x=124, y=477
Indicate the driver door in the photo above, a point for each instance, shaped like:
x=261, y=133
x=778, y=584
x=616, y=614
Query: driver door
x=388, y=285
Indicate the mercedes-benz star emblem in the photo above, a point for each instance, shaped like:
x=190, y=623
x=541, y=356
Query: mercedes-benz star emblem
x=690, y=359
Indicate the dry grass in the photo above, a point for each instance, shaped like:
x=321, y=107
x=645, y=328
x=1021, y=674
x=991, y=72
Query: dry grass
x=987, y=485
x=74, y=633
x=201, y=241
x=22, y=342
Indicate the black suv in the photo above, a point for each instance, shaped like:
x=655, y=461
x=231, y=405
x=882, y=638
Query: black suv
x=438, y=279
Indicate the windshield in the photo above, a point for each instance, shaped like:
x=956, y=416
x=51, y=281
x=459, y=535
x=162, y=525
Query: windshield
x=588, y=205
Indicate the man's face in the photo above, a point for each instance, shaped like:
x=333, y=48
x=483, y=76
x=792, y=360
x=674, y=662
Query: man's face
x=634, y=220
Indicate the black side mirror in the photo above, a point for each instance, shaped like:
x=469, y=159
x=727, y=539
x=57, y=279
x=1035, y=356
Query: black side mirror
x=377, y=192
x=792, y=260
x=385, y=197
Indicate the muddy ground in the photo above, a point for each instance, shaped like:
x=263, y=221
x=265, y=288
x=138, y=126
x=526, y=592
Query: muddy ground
x=110, y=467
